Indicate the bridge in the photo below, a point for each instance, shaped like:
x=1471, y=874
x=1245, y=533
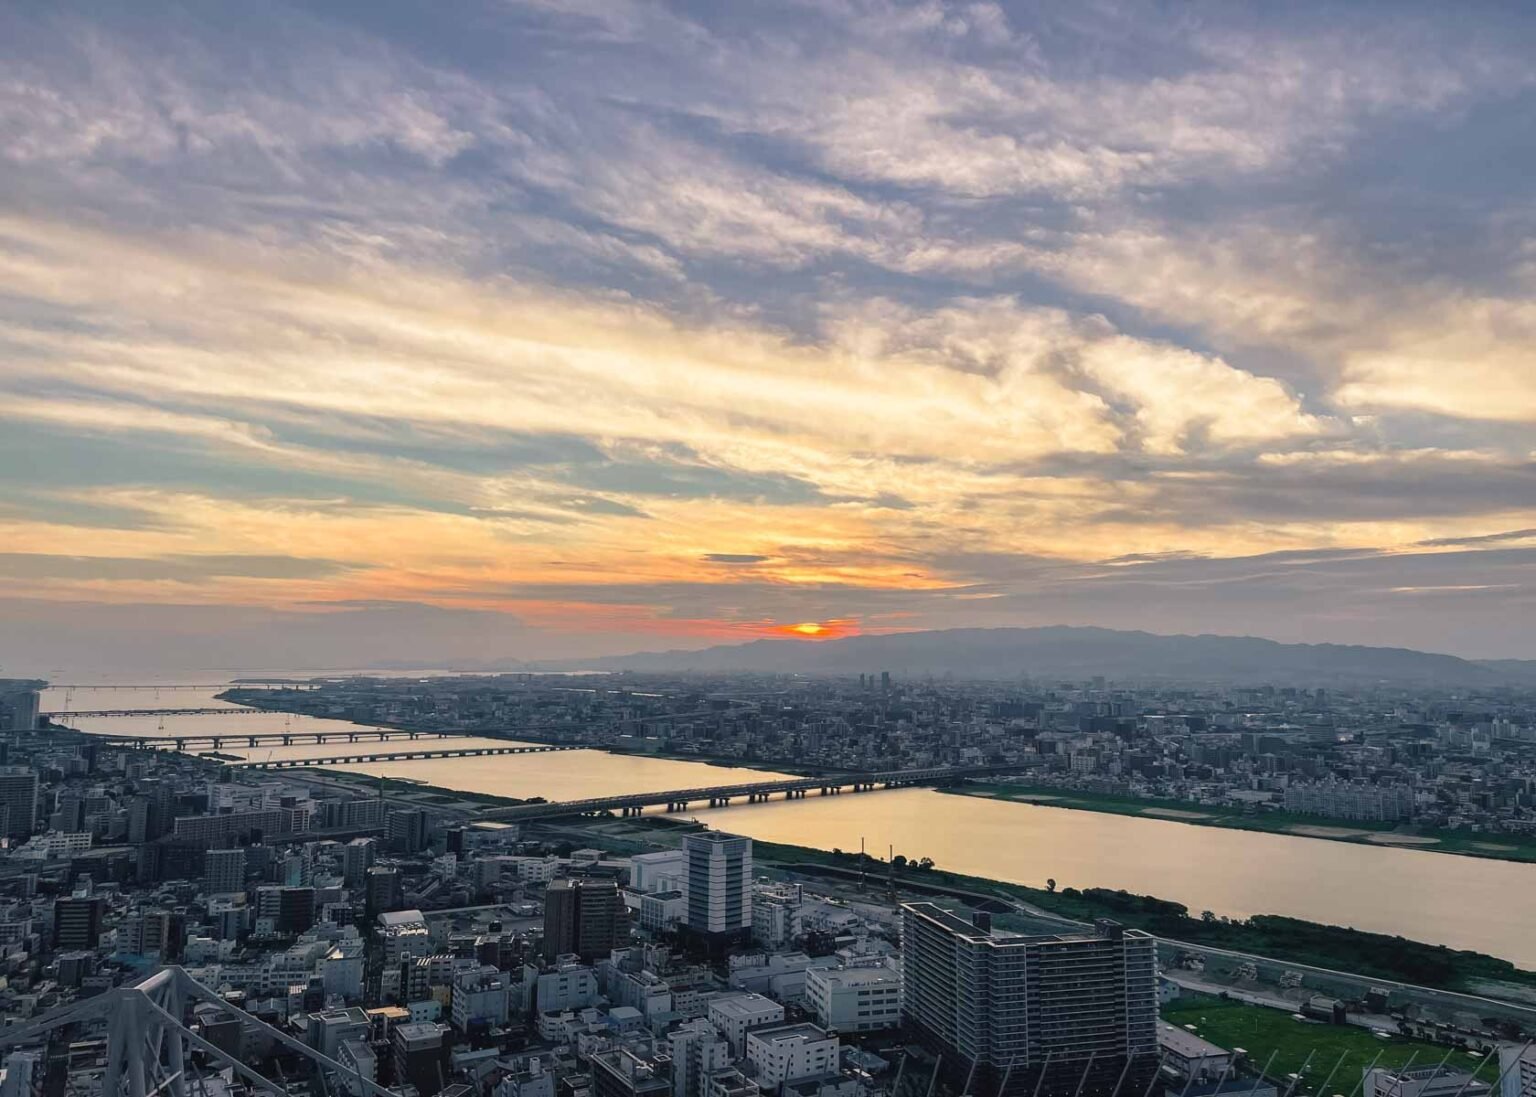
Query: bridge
x=97, y=714
x=253, y=739
x=399, y=756
x=756, y=792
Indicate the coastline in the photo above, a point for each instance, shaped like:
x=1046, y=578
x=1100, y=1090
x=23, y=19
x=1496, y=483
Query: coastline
x=1486, y=847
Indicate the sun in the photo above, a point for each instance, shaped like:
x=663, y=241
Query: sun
x=808, y=628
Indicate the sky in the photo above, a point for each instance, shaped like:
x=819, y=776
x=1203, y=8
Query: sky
x=523, y=329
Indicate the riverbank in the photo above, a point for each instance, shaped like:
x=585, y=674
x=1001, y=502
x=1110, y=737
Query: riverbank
x=1462, y=844
x=1375, y=955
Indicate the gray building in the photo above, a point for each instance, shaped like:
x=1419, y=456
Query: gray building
x=18, y=800
x=584, y=917
x=1072, y=1013
x=719, y=884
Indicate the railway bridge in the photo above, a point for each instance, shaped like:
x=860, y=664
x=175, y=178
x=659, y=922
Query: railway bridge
x=792, y=788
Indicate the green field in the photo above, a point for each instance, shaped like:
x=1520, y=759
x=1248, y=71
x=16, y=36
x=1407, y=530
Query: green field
x=1261, y=1032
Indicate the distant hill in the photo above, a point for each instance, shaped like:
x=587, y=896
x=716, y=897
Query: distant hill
x=1081, y=653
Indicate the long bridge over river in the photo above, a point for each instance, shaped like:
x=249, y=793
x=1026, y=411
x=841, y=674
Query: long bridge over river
x=401, y=756
x=755, y=792
x=253, y=739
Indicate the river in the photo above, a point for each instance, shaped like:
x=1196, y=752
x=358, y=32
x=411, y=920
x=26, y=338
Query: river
x=1459, y=901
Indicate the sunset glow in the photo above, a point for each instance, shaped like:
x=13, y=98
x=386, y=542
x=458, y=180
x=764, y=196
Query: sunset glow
x=647, y=325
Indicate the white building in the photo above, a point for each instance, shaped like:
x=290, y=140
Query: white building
x=664, y=871
x=405, y=935
x=564, y=987
x=341, y=971
x=480, y=994
x=783, y=1053
x=855, y=999
x=736, y=1014
x=698, y=1050
x=1518, y=1068
x=719, y=883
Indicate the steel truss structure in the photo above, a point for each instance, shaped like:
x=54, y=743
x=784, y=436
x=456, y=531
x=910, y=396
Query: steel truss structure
x=149, y=1043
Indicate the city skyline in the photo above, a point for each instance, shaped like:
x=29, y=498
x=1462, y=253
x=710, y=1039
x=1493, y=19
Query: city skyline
x=561, y=330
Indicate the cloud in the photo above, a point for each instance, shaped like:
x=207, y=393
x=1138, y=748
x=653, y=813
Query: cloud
x=871, y=311
x=186, y=568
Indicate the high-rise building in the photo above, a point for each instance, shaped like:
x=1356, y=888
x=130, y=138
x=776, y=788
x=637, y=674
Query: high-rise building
x=405, y=830
x=77, y=923
x=292, y=909
x=356, y=858
x=18, y=798
x=224, y=871
x=719, y=884
x=1066, y=1013
x=585, y=917
x=383, y=891
x=19, y=703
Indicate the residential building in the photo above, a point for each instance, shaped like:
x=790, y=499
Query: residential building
x=224, y=871
x=1065, y=1013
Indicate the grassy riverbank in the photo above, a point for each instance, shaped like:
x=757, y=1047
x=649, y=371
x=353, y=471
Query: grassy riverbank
x=1465, y=844
x=1375, y=955
x=1288, y=1045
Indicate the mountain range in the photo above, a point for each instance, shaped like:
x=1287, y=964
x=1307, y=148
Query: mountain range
x=1082, y=653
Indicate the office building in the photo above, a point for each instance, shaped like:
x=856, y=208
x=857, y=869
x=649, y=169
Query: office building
x=418, y=1055
x=584, y=917
x=405, y=830
x=328, y=1029
x=357, y=858
x=622, y=1073
x=19, y=703
x=719, y=885
x=481, y=996
x=1071, y=1013
x=855, y=999
x=698, y=1052
x=737, y=1014
x=18, y=800
x=291, y=909
x=785, y=1053
x=224, y=871
x=77, y=923
x=403, y=934
x=383, y=891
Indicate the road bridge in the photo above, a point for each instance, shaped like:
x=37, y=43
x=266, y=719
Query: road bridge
x=97, y=714
x=791, y=788
x=253, y=739
x=398, y=756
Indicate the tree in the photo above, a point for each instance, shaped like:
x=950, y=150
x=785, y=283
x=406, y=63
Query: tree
x=1050, y=886
x=925, y=864
x=1207, y=917
x=899, y=861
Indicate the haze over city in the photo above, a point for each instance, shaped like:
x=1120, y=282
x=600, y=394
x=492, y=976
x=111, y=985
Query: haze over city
x=347, y=333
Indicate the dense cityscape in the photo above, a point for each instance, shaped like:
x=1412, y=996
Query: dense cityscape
x=346, y=935
x=1428, y=760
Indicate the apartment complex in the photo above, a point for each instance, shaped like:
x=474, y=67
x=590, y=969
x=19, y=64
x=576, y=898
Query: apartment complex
x=1064, y=1013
